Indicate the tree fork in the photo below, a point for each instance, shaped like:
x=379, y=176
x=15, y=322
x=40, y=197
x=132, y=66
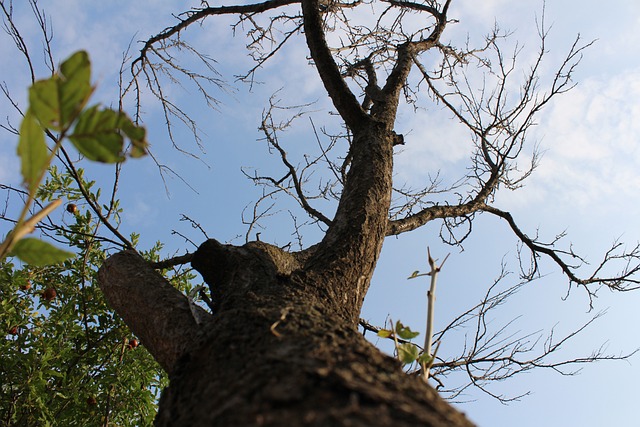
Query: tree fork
x=276, y=351
x=153, y=309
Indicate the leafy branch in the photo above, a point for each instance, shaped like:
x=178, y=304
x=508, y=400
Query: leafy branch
x=57, y=107
x=407, y=351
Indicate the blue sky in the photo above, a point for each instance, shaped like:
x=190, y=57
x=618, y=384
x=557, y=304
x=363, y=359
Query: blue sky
x=586, y=184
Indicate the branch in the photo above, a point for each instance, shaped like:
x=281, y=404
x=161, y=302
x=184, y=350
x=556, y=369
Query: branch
x=154, y=310
x=492, y=354
x=198, y=15
x=343, y=99
x=419, y=219
x=90, y=201
x=619, y=282
x=431, y=300
x=498, y=124
x=269, y=128
x=171, y=262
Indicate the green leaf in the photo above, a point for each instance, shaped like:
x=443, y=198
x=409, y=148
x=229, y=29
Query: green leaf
x=384, y=333
x=75, y=87
x=425, y=359
x=38, y=253
x=407, y=353
x=405, y=332
x=77, y=70
x=58, y=100
x=136, y=135
x=32, y=151
x=99, y=135
x=44, y=102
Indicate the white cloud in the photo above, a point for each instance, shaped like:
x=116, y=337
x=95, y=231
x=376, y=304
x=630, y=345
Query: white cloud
x=434, y=141
x=139, y=213
x=592, y=141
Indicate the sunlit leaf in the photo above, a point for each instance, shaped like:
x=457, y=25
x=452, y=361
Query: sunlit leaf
x=384, y=333
x=32, y=151
x=75, y=85
x=77, y=70
x=425, y=359
x=414, y=275
x=58, y=100
x=36, y=252
x=407, y=353
x=44, y=102
x=97, y=135
x=136, y=134
x=405, y=332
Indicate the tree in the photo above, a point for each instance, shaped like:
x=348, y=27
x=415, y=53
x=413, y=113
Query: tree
x=280, y=343
x=60, y=362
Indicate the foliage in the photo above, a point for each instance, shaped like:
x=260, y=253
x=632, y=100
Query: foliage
x=65, y=357
x=406, y=351
x=57, y=104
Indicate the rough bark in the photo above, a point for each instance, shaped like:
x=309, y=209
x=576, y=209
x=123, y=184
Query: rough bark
x=276, y=351
x=282, y=345
x=150, y=306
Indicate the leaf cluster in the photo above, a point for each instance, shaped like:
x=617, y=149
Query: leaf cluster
x=57, y=110
x=407, y=352
x=65, y=357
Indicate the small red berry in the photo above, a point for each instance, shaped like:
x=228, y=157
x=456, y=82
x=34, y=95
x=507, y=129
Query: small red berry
x=72, y=208
x=49, y=294
x=14, y=330
x=133, y=344
x=26, y=286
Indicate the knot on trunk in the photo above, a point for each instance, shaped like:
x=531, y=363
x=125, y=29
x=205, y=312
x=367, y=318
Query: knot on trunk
x=234, y=271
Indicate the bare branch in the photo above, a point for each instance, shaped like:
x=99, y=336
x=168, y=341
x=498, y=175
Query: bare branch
x=622, y=281
x=171, y=262
x=269, y=128
x=494, y=354
x=342, y=97
x=198, y=15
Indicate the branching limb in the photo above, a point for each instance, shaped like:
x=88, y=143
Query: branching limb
x=269, y=128
x=198, y=15
x=343, y=99
x=12, y=30
x=95, y=207
x=492, y=354
x=497, y=120
x=500, y=356
x=624, y=280
x=171, y=262
x=154, y=310
x=407, y=51
x=426, y=215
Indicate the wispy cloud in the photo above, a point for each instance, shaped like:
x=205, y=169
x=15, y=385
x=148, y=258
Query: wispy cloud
x=591, y=139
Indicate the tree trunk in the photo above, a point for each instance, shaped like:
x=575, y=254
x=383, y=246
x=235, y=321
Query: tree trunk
x=276, y=350
x=282, y=346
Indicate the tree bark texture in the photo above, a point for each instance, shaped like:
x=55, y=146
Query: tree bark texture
x=275, y=352
x=281, y=347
